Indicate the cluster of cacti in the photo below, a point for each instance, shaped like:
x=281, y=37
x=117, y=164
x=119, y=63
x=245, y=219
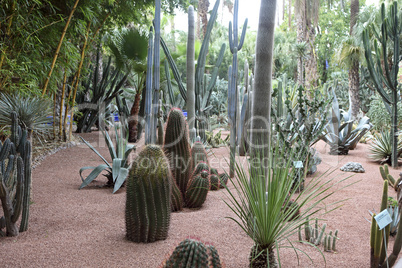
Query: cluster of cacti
x=378, y=249
x=15, y=179
x=148, y=199
x=315, y=235
x=193, y=253
x=388, y=177
x=384, y=73
x=214, y=179
x=233, y=94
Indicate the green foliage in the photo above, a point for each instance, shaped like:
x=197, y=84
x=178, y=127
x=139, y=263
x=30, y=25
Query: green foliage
x=193, y=253
x=32, y=112
x=380, y=117
x=119, y=150
x=257, y=200
x=148, y=197
x=381, y=147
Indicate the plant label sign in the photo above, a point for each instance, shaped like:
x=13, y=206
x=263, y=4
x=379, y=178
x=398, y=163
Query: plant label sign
x=383, y=219
x=298, y=164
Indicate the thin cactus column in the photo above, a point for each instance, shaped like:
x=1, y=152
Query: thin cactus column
x=148, y=91
x=190, y=74
x=235, y=46
x=156, y=76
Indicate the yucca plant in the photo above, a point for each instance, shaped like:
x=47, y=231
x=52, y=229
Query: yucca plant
x=258, y=201
x=119, y=151
x=33, y=113
x=381, y=147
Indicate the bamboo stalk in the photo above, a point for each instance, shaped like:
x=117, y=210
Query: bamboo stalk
x=63, y=92
x=78, y=79
x=66, y=109
x=10, y=22
x=54, y=113
x=58, y=47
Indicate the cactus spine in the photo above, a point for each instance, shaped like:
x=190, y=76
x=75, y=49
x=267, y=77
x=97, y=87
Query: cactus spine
x=190, y=73
x=391, y=29
x=177, y=148
x=193, y=253
x=235, y=46
x=148, y=196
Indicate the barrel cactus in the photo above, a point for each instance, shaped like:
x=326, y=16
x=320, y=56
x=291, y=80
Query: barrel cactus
x=149, y=189
x=223, y=180
x=177, y=148
x=198, y=153
x=176, y=197
x=214, y=179
x=198, y=187
x=193, y=253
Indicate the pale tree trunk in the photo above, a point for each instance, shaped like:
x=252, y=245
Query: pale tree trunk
x=311, y=62
x=202, y=19
x=300, y=33
x=261, y=110
x=290, y=14
x=354, y=78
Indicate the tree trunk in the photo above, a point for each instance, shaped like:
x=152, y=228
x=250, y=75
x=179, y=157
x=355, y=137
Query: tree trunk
x=290, y=14
x=259, y=257
x=354, y=78
x=261, y=110
x=311, y=62
x=133, y=122
x=300, y=33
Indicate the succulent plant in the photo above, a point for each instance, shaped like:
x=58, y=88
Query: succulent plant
x=198, y=153
x=214, y=171
x=148, y=199
x=215, y=182
x=193, y=253
x=223, y=180
x=15, y=179
x=177, y=148
x=388, y=177
x=198, y=187
x=176, y=197
x=381, y=148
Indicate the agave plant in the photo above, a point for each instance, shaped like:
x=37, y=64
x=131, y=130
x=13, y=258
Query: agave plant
x=258, y=201
x=33, y=113
x=381, y=148
x=340, y=133
x=117, y=172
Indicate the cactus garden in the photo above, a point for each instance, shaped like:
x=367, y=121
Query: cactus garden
x=201, y=134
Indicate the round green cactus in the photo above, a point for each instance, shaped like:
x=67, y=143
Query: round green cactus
x=193, y=253
x=148, y=199
x=214, y=182
x=223, y=178
x=177, y=148
x=198, y=187
x=198, y=153
x=176, y=198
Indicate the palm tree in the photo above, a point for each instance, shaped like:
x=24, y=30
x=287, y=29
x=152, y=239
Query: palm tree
x=261, y=107
x=307, y=19
x=354, y=79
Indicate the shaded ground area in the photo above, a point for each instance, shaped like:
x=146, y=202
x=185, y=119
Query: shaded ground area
x=85, y=228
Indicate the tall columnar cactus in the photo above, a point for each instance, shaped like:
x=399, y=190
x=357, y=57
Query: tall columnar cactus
x=203, y=90
x=386, y=75
x=15, y=154
x=242, y=133
x=148, y=90
x=156, y=74
x=193, y=253
x=160, y=124
x=235, y=46
x=177, y=148
x=190, y=73
x=198, y=187
x=149, y=191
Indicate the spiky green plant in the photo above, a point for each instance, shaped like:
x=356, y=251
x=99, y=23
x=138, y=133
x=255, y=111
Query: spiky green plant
x=177, y=148
x=148, y=197
x=257, y=200
x=33, y=113
x=119, y=151
x=193, y=253
x=381, y=147
x=176, y=199
x=215, y=182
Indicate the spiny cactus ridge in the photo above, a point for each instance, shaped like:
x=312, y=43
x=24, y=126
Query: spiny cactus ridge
x=193, y=253
x=177, y=148
x=198, y=187
x=215, y=185
x=148, y=196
